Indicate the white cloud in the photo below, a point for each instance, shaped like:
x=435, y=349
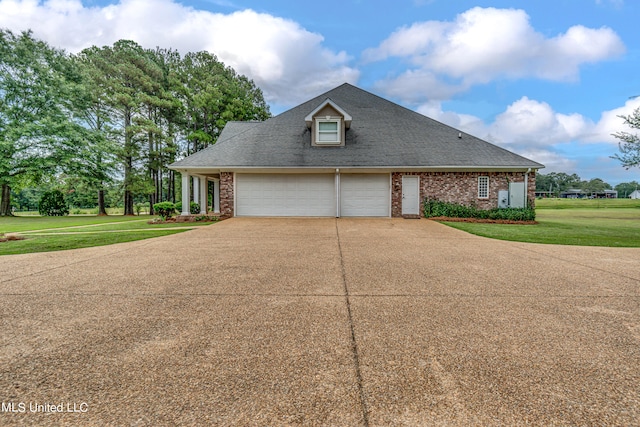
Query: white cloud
x=610, y=122
x=288, y=62
x=535, y=123
x=533, y=129
x=484, y=44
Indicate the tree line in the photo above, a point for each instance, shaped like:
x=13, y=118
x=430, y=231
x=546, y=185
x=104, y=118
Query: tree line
x=112, y=118
x=556, y=183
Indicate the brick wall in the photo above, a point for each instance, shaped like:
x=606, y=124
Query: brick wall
x=226, y=194
x=458, y=187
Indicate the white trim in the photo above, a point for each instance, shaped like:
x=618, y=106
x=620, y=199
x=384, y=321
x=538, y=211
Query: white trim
x=337, y=193
x=482, y=187
x=390, y=194
x=359, y=169
x=338, y=132
x=347, y=117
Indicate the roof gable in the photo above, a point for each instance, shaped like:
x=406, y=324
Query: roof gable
x=328, y=102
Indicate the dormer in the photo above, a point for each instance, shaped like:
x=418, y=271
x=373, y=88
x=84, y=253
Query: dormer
x=328, y=123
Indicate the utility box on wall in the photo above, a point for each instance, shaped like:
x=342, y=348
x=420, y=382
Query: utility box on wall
x=503, y=199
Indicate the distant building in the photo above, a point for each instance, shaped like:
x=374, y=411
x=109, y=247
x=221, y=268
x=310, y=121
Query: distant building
x=606, y=194
x=635, y=195
x=573, y=193
x=544, y=194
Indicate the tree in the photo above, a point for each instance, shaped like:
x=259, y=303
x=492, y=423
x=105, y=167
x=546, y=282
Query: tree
x=37, y=133
x=626, y=188
x=556, y=182
x=129, y=83
x=212, y=95
x=97, y=161
x=629, y=146
x=52, y=203
x=595, y=185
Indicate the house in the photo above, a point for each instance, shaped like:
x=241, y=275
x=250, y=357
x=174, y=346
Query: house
x=349, y=153
x=635, y=194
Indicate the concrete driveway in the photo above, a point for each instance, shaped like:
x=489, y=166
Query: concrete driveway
x=321, y=322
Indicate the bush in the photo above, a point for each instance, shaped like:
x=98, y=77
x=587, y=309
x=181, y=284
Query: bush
x=435, y=208
x=52, y=204
x=165, y=209
x=194, y=208
x=139, y=207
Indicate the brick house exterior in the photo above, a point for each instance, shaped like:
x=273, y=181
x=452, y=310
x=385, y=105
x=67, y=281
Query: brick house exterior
x=347, y=153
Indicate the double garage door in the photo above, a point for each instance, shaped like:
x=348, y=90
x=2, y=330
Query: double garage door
x=312, y=195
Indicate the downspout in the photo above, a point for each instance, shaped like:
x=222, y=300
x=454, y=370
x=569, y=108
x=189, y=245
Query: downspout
x=526, y=188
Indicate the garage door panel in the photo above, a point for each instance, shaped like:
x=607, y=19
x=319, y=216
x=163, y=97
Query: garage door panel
x=365, y=195
x=285, y=195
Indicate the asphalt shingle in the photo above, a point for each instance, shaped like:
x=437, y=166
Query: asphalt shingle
x=382, y=134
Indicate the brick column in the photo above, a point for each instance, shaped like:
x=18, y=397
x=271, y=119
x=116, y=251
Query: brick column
x=226, y=195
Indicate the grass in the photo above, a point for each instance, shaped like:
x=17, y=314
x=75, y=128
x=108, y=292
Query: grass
x=586, y=203
x=51, y=243
x=32, y=222
x=45, y=234
x=613, y=223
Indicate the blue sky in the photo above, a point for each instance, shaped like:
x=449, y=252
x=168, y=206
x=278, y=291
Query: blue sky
x=546, y=79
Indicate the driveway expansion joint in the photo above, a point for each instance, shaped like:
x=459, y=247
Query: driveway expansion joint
x=354, y=343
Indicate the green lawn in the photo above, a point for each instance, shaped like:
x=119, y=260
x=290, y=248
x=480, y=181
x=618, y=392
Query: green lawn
x=32, y=222
x=45, y=234
x=576, y=222
x=587, y=203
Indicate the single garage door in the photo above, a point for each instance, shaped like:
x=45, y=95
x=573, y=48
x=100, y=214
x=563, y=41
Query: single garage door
x=365, y=195
x=285, y=195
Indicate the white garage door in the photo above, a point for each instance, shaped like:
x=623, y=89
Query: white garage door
x=285, y=195
x=364, y=195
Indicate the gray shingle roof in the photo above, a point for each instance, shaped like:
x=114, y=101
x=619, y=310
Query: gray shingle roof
x=382, y=134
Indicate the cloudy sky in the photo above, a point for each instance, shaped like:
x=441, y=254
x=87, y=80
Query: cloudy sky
x=546, y=79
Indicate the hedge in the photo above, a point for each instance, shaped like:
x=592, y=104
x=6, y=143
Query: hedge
x=437, y=208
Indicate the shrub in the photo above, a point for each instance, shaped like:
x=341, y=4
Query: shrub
x=52, y=204
x=194, y=208
x=138, y=207
x=165, y=209
x=207, y=218
x=435, y=208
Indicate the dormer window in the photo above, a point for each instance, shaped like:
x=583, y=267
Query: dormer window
x=328, y=124
x=328, y=131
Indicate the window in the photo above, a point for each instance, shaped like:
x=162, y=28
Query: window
x=328, y=131
x=483, y=187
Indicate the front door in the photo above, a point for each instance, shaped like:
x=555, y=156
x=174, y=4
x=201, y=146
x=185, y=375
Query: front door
x=410, y=195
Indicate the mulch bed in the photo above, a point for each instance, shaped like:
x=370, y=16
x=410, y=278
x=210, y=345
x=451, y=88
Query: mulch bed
x=10, y=237
x=483, y=221
x=190, y=218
